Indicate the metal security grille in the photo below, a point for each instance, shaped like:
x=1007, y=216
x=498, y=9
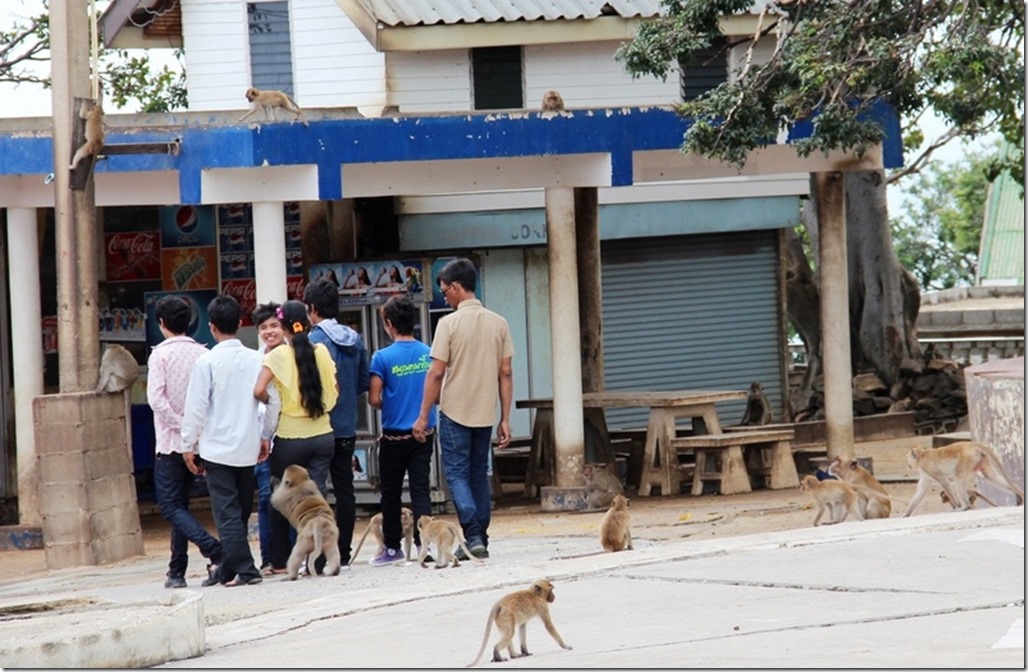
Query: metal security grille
x=691, y=312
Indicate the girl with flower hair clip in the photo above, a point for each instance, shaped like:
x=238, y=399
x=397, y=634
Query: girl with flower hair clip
x=304, y=375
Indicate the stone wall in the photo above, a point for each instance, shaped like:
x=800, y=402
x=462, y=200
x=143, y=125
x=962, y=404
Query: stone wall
x=968, y=351
x=995, y=404
x=87, y=495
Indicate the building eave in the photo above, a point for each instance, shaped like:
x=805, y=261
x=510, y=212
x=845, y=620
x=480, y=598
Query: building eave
x=342, y=154
x=118, y=32
x=386, y=38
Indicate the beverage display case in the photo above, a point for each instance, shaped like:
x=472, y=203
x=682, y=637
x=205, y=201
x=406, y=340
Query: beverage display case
x=364, y=287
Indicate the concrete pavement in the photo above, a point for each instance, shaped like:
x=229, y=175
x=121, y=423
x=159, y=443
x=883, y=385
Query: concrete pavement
x=936, y=590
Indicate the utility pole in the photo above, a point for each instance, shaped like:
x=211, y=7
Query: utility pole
x=74, y=210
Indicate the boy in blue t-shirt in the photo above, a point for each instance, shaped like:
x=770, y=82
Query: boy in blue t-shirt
x=397, y=382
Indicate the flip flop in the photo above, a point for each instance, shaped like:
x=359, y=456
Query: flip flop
x=271, y=571
x=252, y=581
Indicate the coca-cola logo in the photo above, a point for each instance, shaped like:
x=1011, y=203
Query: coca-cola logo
x=245, y=291
x=294, y=287
x=139, y=244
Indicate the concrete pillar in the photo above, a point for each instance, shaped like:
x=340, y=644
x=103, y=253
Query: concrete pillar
x=835, y=322
x=269, y=247
x=27, y=353
x=995, y=411
x=569, y=432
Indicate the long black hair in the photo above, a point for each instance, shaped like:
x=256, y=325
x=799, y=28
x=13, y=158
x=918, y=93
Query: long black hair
x=294, y=320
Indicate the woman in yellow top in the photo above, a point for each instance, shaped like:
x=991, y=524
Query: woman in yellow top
x=305, y=377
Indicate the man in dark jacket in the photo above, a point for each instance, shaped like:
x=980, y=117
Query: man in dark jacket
x=351, y=358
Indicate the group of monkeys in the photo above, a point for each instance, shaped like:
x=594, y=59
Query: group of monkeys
x=954, y=467
x=267, y=100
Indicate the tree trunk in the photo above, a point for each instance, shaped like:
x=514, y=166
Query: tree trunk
x=884, y=298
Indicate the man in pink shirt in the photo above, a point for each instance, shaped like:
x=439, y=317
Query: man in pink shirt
x=168, y=371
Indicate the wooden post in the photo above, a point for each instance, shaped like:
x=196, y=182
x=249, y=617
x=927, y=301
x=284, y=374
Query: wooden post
x=835, y=321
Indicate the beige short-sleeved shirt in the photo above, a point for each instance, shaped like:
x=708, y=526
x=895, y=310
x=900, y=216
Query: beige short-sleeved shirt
x=473, y=341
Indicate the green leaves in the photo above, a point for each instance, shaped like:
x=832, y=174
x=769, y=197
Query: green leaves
x=127, y=78
x=834, y=59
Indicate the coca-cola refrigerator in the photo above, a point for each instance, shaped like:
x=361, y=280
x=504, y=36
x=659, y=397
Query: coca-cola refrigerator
x=363, y=287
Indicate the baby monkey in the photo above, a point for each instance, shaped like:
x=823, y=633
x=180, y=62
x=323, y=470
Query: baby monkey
x=837, y=497
x=615, y=528
x=514, y=610
x=375, y=527
x=269, y=100
x=444, y=535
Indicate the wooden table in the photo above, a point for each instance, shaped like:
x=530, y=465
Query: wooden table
x=666, y=407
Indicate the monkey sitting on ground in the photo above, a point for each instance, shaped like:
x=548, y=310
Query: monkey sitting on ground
x=615, y=528
x=837, y=497
x=297, y=498
x=445, y=535
x=954, y=468
x=94, y=134
x=601, y=485
x=514, y=610
x=269, y=100
x=118, y=369
x=846, y=468
x=552, y=102
x=375, y=527
x=758, y=410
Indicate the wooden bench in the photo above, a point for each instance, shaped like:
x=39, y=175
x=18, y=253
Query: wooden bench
x=733, y=458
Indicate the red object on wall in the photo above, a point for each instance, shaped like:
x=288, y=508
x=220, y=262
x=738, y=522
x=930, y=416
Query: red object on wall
x=245, y=292
x=133, y=256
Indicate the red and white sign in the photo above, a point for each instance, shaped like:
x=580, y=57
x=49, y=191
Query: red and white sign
x=133, y=256
x=294, y=287
x=245, y=292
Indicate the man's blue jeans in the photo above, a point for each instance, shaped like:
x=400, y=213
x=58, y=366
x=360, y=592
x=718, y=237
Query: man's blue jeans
x=262, y=472
x=172, y=483
x=465, y=455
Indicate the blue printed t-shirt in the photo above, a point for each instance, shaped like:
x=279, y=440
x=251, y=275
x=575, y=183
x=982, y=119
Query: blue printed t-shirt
x=402, y=367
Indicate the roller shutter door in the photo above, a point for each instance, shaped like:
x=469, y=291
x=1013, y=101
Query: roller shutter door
x=691, y=312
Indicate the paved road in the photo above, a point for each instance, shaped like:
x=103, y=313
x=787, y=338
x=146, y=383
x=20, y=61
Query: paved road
x=938, y=590
x=903, y=596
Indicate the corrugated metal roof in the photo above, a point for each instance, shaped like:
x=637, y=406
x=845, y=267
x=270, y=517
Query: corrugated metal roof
x=1002, y=253
x=431, y=12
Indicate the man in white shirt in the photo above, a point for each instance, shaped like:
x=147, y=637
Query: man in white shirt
x=221, y=419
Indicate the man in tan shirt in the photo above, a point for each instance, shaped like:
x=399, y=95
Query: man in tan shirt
x=471, y=367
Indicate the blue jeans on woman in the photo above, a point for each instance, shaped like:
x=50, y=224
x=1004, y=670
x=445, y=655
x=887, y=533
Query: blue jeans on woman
x=262, y=472
x=465, y=453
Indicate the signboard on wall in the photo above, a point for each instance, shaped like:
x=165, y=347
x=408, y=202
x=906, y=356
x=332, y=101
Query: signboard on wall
x=373, y=282
x=185, y=268
x=133, y=256
x=187, y=226
x=198, y=327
